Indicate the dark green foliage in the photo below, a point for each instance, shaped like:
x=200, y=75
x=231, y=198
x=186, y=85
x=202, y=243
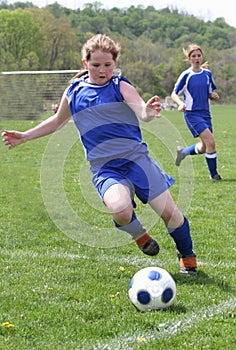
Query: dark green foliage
x=151, y=41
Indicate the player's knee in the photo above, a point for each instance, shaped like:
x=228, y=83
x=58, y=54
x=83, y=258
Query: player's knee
x=123, y=217
x=118, y=200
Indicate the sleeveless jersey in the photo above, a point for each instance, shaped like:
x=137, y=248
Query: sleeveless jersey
x=108, y=127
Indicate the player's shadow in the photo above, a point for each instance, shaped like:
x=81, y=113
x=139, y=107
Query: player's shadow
x=229, y=180
x=202, y=279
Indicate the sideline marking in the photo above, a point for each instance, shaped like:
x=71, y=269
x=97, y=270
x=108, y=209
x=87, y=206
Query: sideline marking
x=131, y=260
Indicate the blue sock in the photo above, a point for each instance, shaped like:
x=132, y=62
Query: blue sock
x=134, y=228
x=182, y=238
x=211, y=163
x=191, y=150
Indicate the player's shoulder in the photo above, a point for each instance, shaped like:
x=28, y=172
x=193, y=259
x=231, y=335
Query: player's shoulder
x=76, y=84
x=118, y=78
x=77, y=81
x=207, y=71
x=183, y=77
x=185, y=73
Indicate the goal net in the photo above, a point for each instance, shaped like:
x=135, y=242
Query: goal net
x=30, y=94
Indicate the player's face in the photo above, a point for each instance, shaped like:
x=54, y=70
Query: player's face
x=195, y=59
x=100, y=67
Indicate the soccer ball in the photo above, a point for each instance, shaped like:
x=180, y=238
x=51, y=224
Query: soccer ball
x=152, y=288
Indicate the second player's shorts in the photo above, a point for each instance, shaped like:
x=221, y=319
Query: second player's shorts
x=198, y=121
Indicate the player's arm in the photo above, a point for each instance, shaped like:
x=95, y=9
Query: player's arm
x=12, y=138
x=181, y=105
x=145, y=111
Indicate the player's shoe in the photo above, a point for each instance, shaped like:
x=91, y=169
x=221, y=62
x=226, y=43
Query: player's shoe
x=148, y=245
x=188, y=264
x=180, y=156
x=151, y=247
x=216, y=177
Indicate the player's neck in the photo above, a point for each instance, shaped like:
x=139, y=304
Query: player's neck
x=196, y=69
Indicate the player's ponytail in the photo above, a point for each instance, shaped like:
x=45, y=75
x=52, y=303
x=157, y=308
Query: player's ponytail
x=205, y=65
x=78, y=75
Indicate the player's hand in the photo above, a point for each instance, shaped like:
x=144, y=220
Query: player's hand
x=214, y=96
x=13, y=138
x=182, y=107
x=153, y=106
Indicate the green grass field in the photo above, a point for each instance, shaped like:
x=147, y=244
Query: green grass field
x=65, y=271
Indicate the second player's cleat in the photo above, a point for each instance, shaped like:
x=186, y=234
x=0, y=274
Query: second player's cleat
x=180, y=156
x=216, y=177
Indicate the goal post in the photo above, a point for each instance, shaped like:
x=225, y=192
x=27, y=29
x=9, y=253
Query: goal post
x=30, y=94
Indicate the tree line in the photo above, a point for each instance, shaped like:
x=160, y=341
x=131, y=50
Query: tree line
x=51, y=38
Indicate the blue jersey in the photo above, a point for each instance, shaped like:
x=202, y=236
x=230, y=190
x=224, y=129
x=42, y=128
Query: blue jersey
x=196, y=87
x=108, y=127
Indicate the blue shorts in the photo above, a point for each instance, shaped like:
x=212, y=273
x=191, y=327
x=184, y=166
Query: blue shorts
x=143, y=177
x=198, y=121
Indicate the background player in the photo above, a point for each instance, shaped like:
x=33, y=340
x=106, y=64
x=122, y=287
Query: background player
x=197, y=85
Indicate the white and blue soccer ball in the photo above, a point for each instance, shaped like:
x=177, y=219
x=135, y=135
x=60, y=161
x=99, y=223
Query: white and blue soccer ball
x=152, y=288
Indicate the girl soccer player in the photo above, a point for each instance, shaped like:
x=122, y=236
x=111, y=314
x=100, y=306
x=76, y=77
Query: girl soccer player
x=197, y=85
x=104, y=108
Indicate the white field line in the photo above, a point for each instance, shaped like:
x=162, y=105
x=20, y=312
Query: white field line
x=131, y=260
x=167, y=330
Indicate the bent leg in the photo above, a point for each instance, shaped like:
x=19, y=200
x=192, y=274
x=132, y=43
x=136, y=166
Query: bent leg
x=176, y=224
x=118, y=200
x=187, y=151
x=166, y=208
x=178, y=228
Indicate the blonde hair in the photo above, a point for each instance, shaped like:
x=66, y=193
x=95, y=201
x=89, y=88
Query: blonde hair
x=100, y=42
x=193, y=47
